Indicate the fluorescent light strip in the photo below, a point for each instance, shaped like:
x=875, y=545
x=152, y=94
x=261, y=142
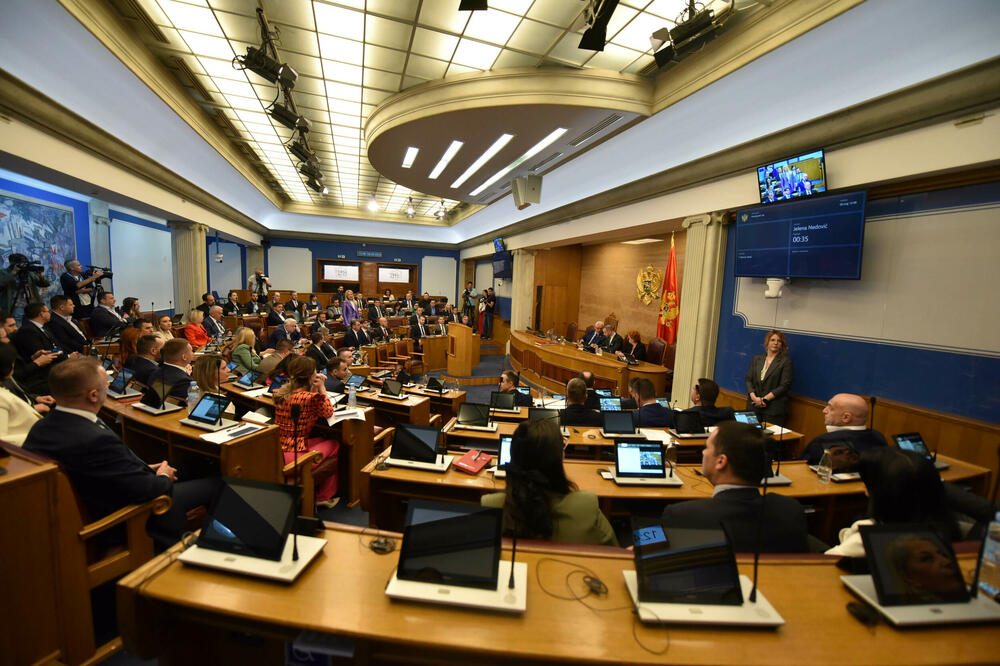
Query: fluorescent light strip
x=411, y=154
x=534, y=150
x=641, y=241
x=484, y=158
x=443, y=162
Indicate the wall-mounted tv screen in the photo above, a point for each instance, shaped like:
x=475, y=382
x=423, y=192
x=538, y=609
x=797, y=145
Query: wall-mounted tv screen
x=498, y=245
x=792, y=177
x=503, y=265
x=811, y=238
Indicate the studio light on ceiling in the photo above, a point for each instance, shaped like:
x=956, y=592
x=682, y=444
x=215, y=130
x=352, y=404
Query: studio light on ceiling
x=440, y=212
x=595, y=37
x=473, y=6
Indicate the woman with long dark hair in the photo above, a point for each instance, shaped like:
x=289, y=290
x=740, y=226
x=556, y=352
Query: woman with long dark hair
x=540, y=502
x=768, y=380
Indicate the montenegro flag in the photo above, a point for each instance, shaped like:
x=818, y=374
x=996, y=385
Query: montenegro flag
x=666, y=325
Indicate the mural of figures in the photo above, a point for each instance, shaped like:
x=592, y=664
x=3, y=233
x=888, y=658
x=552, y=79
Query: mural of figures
x=41, y=231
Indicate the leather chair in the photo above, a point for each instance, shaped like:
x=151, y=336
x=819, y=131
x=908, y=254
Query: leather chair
x=571, y=331
x=655, y=350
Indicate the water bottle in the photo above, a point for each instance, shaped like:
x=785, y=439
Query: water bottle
x=352, y=397
x=193, y=394
x=825, y=468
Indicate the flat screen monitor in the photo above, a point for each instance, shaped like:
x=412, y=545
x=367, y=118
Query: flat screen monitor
x=498, y=245
x=356, y=381
x=501, y=400
x=413, y=442
x=640, y=459
x=121, y=381
x=473, y=414
x=618, y=423
x=611, y=404
x=747, y=417
x=812, y=238
x=209, y=409
x=899, y=556
x=503, y=456
x=391, y=387
x=249, y=378
x=542, y=413
x=503, y=265
x=250, y=518
x=792, y=177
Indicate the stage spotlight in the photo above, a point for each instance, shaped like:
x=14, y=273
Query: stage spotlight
x=285, y=116
x=659, y=38
x=410, y=210
x=597, y=35
x=317, y=186
x=664, y=55
x=310, y=170
x=301, y=150
x=473, y=6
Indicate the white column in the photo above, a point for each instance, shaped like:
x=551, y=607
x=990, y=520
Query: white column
x=701, y=297
x=522, y=296
x=187, y=244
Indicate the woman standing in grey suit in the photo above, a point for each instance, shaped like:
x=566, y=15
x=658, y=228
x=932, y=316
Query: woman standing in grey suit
x=769, y=379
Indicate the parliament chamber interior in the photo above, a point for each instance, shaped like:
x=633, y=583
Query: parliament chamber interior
x=302, y=363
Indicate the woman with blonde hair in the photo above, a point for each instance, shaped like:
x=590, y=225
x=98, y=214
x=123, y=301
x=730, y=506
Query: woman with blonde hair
x=244, y=354
x=210, y=372
x=163, y=327
x=194, y=332
x=306, y=390
x=349, y=308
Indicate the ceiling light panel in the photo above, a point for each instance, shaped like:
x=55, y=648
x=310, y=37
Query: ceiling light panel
x=636, y=34
x=339, y=21
x=389, y=60
x=434, y=44
x=340, y=49
x=426, y=68
x=495, y=148
x=449, y=153
x=534, y=36
x=189, y=17
x=443, y=16
x=401, y=9
x=386, y=32
x=342, y=72
x=615, y=57
x=495, y=27
x=621, y=17
x=551, y=138
x=518, y=7
x=555, y=13
x=214, y=47
x=667, y=9
x=475, y=54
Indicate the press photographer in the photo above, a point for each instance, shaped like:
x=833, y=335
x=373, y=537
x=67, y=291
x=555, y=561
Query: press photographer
x=259, y=284
x=21, y=283
x=80, y=286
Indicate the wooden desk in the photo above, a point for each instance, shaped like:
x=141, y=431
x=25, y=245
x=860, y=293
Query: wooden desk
x=446, y=404
x=181, y=613
x=434, y=348
x=415, y=409
x=356, y=439
x=551, y=365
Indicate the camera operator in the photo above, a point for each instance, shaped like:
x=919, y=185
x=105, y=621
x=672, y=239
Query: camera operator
x=75, y=285
x=259, y=284
x=19, y=285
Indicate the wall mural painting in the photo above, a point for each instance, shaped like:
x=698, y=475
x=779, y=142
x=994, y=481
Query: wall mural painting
x=43, y=232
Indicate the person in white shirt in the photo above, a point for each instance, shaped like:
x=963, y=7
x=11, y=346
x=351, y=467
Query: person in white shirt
x=259, y=283
x=17, y=415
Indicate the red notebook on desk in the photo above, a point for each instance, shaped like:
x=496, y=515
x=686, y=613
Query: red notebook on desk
x=473, y=462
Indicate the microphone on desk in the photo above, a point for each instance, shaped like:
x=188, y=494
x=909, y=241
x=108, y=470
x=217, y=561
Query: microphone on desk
x=295, y=410
x=671, y=456
x=513, y=556
x=760, y=523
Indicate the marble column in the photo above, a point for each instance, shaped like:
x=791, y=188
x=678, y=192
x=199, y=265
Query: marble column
x=522, y=296
x=701, y=298
x=187, y=244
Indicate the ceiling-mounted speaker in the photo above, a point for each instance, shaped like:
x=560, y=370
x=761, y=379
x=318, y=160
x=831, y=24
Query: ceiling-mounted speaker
x=526, y=190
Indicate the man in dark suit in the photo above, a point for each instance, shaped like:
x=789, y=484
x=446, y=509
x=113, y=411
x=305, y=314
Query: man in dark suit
x=207, y=301
x=104, y=319
x=612, y=341
x=74, y=285
x=355, y=338
x=408, y=302
x=316, y=351
x=253, y=306
x=232, y=307
x=33, y=336
x=703, y=395
x=650, y=414
x=336, y=374
x=63, y=327
x=294, y=306
x=288, y=330
x=146, y=359
x=213, y=323
x=508, y=384
x=576, y=412
x=105, y=473
x=594, y=337
x=418, y=331
x=734, y=460
x=382, y=332
x=845, y=416
x=177, y=357
x=592, y=401
x=276, y=317
x=376, y=310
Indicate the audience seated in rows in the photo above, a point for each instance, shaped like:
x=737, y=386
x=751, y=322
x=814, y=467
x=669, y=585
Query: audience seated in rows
x=17, y=412
x=288, y=330
x=146, y=359
x=104, y=319
x=64, y=328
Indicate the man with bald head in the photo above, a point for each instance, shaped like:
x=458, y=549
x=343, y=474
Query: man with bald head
x=845, y=416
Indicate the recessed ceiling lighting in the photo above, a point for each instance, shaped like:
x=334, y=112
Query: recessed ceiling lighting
x=483, y=159
x=642, y=241
x=443, y=162
x=411, y=154
x=534, y=150
x=372, y=204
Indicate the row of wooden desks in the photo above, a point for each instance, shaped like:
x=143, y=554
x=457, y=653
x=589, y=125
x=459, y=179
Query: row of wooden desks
x=187, y=615
x=385, y=489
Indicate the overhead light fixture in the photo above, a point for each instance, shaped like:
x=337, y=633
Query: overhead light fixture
x=310, y=170
x=410, y=210
x=285, y=116
x=446, y=158
x=643, y=241
x=534, y=150
x=301, y=150
x=473, y=6
x=440, y=212
x=372, y=204
x=411, y=154
x=483, y=159
x=692, y=26
x=317, y=186
x=263, y=65
x=596, y=35
x=664, y=55
x=659, y=38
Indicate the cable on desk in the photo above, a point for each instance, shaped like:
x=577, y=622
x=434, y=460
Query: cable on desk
x=595, y=587
x=377, y=544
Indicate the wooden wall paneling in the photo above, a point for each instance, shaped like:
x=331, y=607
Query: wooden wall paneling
x=557, y=271
x=369, y=278
x=608, y=282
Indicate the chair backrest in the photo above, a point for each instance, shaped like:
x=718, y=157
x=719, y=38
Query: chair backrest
x=401, y=349
x=655, y=350
x=571, y=331
x=612, y=319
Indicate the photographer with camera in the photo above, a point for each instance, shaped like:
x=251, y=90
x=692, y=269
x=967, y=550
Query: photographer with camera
x=75, y=283
x=20, y=285
x=259, y=284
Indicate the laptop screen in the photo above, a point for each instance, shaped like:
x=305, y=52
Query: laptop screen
x=121, y=380
x=911, y=564
x=403, y=377
x=747, y=417
x=249, y=379
x=209, y=409
x=391, y=387
x=524, y=390
x=688, y=423
x=276, y=383
x=618, y=423
x=451, y=544
x=603, y=393
x=434, y=384
x=639, y=459
x=611, y=404
x=989, y=566
x=474, y=414
x=250, y=518
x=356, y=381
x=503, y=458
x=684, y=565
x=912, y=441
x=542, y=413
x=501, y=400
x=418, y=443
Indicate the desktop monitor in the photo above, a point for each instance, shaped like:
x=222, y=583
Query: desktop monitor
x=501, y=400
x=250, y=518
x=473, y=414
x=417, y=443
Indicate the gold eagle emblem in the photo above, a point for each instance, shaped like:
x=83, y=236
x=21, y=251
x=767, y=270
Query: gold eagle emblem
x=648, y=284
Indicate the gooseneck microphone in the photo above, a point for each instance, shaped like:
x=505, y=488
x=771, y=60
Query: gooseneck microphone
x=760, y=527
x=671, y=456
x=296, y=411
x=513, y=557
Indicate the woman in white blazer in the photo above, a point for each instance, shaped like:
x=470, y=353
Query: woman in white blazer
x=16, y=415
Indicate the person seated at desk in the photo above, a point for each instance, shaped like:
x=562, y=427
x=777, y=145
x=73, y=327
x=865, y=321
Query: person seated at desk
x=164, y=328
x=276, y=315
x=356, y=337
x=146, y=358
x=253, y=306
x=317, y=350
x=508, y=384
x=612, y=341
x=576, y=412
x=105, y=473
x=593, y=337
x=31, y=374
x=194, y=332
x=319, y=324
x=845, y=416
x=334, y=312
x=232, y=307
x=269, y=363
x=650, y=412
x=540, y=502
x=207, y=301
x=376, y=310
x=213, y=325
x=306, y=391
x=703, y=395
x=17, y=414
x=294, y=307
x=734, y=460
x=313, y=304
x=33, y=337
x=104, y=319
x=633, y=347
x=174, y=372
x=902, y=487
x=382, y=332
x=210, y=372
x=288, y=330
x=129, y=340
x=415, y=317
x=245, y=354
x=66, y=330
x=337, y=373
